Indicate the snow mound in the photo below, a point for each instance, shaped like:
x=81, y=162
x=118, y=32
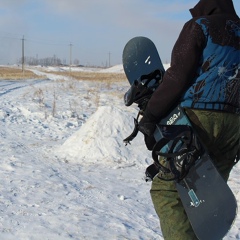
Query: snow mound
x=114, y=69
x=100, y=139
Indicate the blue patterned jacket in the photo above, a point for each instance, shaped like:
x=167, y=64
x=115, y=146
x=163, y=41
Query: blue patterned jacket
x=205, y=63
x=217, y=84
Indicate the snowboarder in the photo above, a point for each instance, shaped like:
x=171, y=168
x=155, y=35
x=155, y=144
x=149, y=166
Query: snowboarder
x=205, y=78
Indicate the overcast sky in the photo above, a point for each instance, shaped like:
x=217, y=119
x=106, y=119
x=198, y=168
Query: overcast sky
x=97, y=29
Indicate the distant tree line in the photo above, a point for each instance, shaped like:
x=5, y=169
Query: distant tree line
x=48, y=61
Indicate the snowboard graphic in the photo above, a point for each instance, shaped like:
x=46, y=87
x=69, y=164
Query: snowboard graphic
x=178, y=154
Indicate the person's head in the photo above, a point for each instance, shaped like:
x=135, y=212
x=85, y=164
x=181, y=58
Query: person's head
x=209, y=7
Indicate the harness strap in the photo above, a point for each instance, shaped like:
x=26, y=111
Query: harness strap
x=180, y=148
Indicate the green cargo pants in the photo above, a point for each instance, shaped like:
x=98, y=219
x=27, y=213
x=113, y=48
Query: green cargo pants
x=220, y=133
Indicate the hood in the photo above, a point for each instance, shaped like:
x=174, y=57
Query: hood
x=210, y=7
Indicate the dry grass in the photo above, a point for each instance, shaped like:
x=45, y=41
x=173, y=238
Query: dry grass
x=94, y=76
x=10, y=73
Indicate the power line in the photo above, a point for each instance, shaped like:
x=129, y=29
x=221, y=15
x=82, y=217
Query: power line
x=47, y=42
x=5, y=37
x=10, y=35
x=39, y=41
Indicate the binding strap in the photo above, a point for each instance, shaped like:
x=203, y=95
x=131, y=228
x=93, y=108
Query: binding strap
x=179, y=148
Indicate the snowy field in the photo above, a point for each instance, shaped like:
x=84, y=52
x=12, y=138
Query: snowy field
x=65, y=172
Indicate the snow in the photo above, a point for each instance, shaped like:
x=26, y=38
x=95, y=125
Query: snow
x=65, y=171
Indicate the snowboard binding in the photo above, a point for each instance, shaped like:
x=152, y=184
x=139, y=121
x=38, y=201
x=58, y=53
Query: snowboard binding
x=175, y=153
x=140, y=92
x=142, y=89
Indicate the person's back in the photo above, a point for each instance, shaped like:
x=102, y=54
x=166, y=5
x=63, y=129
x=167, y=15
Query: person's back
x=216, y=86
x=204, y=65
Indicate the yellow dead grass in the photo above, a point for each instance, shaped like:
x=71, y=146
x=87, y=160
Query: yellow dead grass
x=94, y=76
x=10, y=73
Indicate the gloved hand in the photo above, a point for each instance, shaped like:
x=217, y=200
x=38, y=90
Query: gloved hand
x=147, y=125
x=147, y=128
x=149, y=141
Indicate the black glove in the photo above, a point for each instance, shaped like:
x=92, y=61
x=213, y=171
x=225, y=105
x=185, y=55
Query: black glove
x=146, y=125
x=149, y=141
x=147, y=128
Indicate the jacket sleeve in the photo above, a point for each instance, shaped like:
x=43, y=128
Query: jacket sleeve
x=185, y=60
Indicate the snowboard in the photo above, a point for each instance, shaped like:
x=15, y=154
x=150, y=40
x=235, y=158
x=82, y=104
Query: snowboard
x=207, y=199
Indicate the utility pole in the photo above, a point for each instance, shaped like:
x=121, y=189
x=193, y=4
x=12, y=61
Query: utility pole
x=23, y=54
x=109, y=57
x=70, y=57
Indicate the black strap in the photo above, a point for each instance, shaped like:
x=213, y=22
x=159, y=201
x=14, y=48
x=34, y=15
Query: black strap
x=182, y=147
x=182, y=134
x=133, y=134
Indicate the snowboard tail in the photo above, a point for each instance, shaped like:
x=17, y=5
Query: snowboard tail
x=140, y=53
x=208, y=201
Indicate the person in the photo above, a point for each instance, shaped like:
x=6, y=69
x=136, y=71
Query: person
x=204, y=77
